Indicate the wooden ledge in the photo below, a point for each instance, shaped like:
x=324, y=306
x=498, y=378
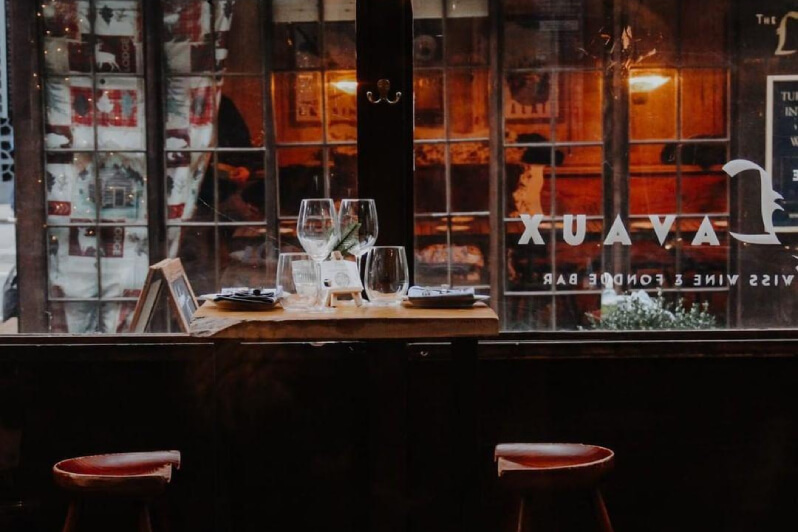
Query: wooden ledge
x=346, y=323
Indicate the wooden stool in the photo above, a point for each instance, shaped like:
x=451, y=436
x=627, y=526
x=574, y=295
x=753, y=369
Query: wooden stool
x=134, y=477
x=545, y=470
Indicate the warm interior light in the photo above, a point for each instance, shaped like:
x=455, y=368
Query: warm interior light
x=345, y=85
x=647, y=82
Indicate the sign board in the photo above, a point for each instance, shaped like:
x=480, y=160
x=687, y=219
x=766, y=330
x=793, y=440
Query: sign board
x=169, y=273
x=781, y=159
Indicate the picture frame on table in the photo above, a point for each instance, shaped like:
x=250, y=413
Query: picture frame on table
x=183, y=302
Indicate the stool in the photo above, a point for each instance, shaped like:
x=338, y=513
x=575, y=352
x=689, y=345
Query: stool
x=549, y=471
x=133, y=477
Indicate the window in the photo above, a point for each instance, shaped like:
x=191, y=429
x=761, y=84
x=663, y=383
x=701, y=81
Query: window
x=569, y=156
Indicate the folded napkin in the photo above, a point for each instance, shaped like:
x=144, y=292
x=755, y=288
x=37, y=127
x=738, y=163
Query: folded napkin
x=439, y=292
x=267, y=296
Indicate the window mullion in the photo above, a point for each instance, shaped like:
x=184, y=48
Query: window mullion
x=156, y=163
x=385, y=132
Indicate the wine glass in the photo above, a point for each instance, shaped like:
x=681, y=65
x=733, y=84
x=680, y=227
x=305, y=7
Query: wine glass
x=387, y=275
x=317, y=229
x=364, y=235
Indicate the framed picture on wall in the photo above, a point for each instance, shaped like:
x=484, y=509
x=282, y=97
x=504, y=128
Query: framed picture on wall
x=530, y=96
x=781, y=157
x=307, y=108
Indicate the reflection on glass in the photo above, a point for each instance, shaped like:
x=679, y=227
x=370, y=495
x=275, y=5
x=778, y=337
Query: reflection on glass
x=68, y=178
x=431, y=251
x=247, y=256
x=199, y=253
x=69, y=113
x=652, y=185
x=468, y=121
x=428, y=93
x=341, y=91
x=523, y=314
x=119, y=109
x=578, y=186
x=122, y=180
x=470, y=250
x=704, y=102
x=652, y=110
x=343, y=171
x=527, y=265
x=240, y=114
x=300, y=176
x=470, y=176
x=124, y=261
x=297, y=107
x=72, y=255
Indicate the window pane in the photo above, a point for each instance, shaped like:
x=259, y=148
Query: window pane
x=428, y=91
x=343, y=172
x=300, y=175
x=652, y=113
x=468, y=121
x=704, y=104
x=122, y=179
x=297, y=107
x=470, y=177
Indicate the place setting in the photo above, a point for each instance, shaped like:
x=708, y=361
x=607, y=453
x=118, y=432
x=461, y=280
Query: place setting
x=341, y=267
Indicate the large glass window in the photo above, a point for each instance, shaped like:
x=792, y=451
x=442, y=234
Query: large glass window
x=569, y=155
x=258, y=112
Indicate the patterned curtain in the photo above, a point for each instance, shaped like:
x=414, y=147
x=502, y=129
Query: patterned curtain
x=95, y=166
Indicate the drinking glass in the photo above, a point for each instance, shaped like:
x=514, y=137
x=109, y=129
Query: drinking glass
x=297, y=281
x=387, y=277
x=363, y=212
x=317, y=229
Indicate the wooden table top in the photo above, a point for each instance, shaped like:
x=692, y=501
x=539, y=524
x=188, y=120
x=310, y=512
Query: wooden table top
x=345, y=323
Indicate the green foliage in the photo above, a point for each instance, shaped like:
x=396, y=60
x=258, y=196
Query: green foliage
x=637, y=314
x=348, y=239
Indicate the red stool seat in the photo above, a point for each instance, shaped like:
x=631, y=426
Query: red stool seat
x=543, y=471
x=131, y=474
x=552, y=465
x=133, y=477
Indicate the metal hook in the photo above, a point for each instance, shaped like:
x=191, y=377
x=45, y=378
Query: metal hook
x=383, y=87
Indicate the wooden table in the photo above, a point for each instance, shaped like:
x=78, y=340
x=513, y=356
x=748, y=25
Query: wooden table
x=347, y=323
x=387, y=331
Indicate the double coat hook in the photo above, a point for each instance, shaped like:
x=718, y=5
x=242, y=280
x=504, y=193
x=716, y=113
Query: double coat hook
x=384, y=87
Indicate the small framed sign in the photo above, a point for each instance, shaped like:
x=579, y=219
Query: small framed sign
x=169, y=273
x=341, y=277
x=781, y=157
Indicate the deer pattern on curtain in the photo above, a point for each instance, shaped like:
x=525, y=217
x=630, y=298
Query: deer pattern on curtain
x=95, y=141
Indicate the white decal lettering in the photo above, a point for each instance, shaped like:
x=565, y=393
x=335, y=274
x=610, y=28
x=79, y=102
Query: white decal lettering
x=706, y=234
x=767, y=197
x=617, y=234
x=574, y=238
x=662, y=227
x=531, y=224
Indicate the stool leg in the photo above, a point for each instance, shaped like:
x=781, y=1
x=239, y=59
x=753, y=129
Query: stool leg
x=71, y=523
x=520, y=526
x=144, y=519
x=601, y=512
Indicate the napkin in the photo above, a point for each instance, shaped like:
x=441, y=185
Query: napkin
x=267, y=296
x=439, y=292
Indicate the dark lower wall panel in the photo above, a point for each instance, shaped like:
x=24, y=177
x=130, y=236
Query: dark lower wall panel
x=60, y=402
x=297, y=437
x=701, y=443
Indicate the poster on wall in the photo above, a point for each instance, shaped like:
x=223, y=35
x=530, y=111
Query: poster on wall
x=781, y=159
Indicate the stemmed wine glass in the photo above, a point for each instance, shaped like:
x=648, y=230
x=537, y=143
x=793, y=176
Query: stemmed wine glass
x=363, y=212
x=317, y=229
